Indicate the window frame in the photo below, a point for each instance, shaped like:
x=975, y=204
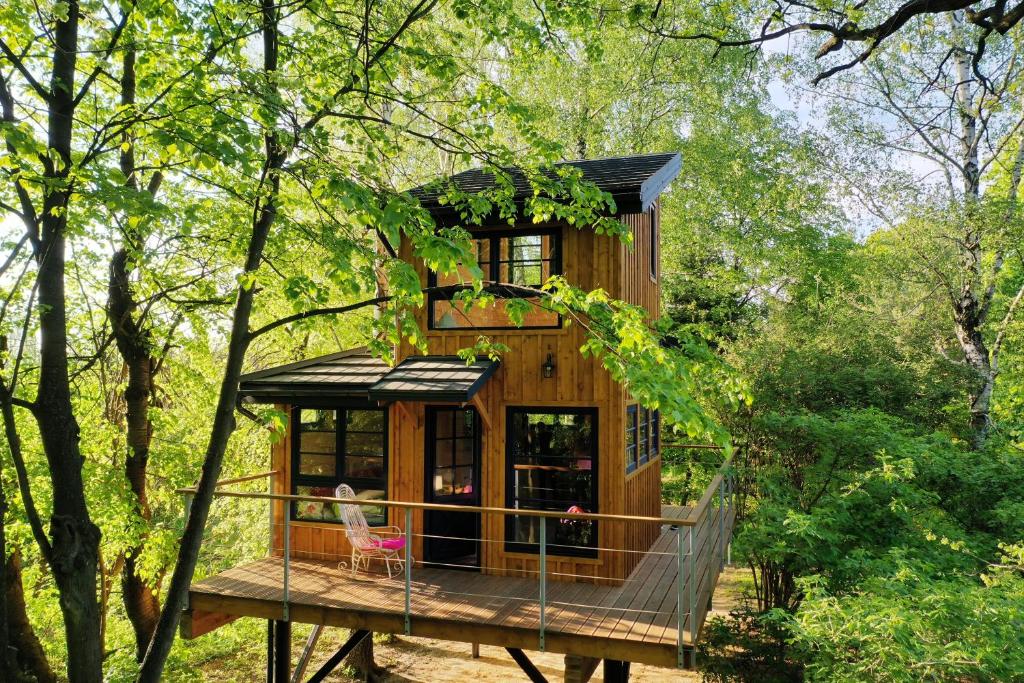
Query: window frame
x=510, y=499
x=632, y=460
x=494, y=263
x=643, y=436
x=298, y=479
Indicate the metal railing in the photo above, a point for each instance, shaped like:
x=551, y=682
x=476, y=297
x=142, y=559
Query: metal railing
x=701, y=539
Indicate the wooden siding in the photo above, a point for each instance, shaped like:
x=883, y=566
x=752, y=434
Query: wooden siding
x=591, y=262
x=638, y=285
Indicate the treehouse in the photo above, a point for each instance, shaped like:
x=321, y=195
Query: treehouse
x=513, y=503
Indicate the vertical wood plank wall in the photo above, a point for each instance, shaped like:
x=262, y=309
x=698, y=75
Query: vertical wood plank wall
x=591, y=262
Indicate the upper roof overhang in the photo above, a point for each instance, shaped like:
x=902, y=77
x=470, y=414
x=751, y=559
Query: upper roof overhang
x=634, y=182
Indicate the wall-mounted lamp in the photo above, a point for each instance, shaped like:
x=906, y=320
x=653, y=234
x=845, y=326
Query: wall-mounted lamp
x=548, y=368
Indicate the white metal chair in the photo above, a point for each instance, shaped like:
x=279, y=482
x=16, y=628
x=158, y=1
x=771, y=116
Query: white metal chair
x=367, y=546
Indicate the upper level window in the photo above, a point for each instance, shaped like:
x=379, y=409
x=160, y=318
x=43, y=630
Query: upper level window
x=331, y=447
x=520, y=257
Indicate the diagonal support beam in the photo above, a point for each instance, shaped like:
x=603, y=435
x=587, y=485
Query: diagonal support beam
x=526, y=665
x=336, y=659
x=307, y=654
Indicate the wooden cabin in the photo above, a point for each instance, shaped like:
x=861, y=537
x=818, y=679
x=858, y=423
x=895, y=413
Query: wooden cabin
x=544, y=429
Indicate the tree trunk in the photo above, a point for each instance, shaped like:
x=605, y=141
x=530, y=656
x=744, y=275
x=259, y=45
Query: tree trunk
x=361, y=659
x=29, y=655
x=224, y=418
x=140, y=599
x=74, y=537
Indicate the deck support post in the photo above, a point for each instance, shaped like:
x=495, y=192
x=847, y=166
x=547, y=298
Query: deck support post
x=336, y=659
x=721, y=524
x=408, y=571
x=680, y=612
x=693, y=589
x=525, y=664
x=287, y=556
x=616, y=671
x=543, y=577
x=270, y=651
x=282, y=658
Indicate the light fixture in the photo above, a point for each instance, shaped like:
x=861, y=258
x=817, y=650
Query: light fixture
x=548, y=368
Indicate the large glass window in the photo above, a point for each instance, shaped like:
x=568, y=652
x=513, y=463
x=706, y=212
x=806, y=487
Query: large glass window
x=522, y=258
x=552, y=465
x=334, y=446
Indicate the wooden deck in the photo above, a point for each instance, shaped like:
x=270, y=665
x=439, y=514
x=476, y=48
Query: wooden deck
x=636, y=621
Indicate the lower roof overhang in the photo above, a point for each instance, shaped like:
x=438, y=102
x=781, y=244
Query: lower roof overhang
x=355, y=376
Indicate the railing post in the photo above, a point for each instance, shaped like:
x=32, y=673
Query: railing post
x=721, y=524
x=287, y=545
x=543, y=576
x=680, y=612
x=693, y=592
x=408, y=571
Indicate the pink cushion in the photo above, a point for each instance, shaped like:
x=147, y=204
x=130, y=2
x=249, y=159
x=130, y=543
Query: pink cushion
x=396, y=543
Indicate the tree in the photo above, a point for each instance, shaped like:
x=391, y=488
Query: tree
x=854, y=30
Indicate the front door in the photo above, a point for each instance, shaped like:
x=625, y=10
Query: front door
x=453, y=478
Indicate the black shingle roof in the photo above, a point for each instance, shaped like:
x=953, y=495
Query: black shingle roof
x=633, y=181
x=357, y=375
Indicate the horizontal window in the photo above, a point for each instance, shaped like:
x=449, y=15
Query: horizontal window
x=335, y=446
x=523, y=259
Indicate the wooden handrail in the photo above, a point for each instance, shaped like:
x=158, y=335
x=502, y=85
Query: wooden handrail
x=698, y=512
x=402, y=505
x=248, y=477
x=693, y=519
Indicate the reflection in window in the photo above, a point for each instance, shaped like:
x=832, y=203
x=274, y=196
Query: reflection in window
x=552, y=463
x=631, y=454
x=523, y=259
x=339, y=446
x=454, y=453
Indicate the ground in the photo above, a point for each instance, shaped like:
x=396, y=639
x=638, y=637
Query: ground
x=423, y=660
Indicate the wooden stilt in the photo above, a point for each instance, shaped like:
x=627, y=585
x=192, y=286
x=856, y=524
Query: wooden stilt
x=282, y=650
x=526, y=665
x=270, y=651
x=616, y=671
x=476, y=650
x=336, y=659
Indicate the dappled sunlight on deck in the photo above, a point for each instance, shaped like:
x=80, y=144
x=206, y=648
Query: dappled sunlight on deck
x=637, y=620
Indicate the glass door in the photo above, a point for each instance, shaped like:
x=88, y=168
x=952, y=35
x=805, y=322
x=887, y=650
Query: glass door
x=453, y=478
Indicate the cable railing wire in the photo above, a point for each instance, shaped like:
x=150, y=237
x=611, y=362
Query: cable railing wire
x=701, y=530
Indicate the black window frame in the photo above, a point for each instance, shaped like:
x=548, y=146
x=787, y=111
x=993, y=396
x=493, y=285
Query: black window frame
x=341, y=422
x=632, y=456
x=494, y=265
x=510, y=499
x=643, y=437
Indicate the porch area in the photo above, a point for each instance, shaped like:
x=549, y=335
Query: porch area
x=654, y=617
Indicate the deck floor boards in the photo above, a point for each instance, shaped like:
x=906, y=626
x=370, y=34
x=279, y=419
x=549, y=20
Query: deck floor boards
x=640, y=614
